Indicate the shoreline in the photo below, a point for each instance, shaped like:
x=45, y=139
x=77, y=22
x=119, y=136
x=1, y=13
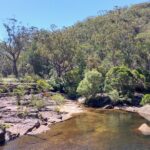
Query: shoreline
x=143, y=111
x=41, y=121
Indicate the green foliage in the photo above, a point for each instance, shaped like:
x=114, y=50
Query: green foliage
x=123, y=80
x=118, y=37
x=56, y=83
x=43, y=85
x=27, y=79
x=19, y=91
x=114, y=95
x=89, y=86
x=41, y=65
x=5, y=88
x=57, y=109
x=4, y=126
x=37, y=102
x=145, y=99
x=1, y=90
x=58, y=98
x=23, y=112
x=30, y=78
x=71, y=82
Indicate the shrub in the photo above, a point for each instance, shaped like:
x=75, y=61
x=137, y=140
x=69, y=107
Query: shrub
x=114, y=95
x=122, y=79
x=57, y=109
x=19, y=92
x=145, y=99
x=56, y=83
x=6, y=88
x=90, y=85
x=58, y=98
x=30, y=79
x=23, y=113
x=71, y=82
x=37, y=102
x=139, y=79
x=27, y=79
x=1, y=90
x=4, y=126
x=42, y=85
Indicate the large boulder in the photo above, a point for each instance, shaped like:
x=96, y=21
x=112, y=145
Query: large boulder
x=145, y=112
x=99, y=101
x=144, y=129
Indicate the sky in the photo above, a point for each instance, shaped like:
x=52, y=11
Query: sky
x=43, y=13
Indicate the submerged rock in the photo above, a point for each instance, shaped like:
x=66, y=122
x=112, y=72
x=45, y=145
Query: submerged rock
x=145, y=129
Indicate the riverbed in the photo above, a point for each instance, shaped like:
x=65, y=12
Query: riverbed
x=93, y=130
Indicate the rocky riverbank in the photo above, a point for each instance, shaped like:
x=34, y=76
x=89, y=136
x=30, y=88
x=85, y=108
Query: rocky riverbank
x=142, y=111
x=17, y=120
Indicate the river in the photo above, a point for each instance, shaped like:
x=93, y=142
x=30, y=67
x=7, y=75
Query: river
x=93, y=130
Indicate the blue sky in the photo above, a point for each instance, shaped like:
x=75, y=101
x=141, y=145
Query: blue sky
x=43, y=13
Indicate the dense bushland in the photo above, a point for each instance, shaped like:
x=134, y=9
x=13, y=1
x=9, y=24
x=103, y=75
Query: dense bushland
x=103, y=54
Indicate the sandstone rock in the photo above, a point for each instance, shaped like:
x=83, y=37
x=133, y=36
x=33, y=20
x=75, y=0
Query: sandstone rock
x=36, y=121
x=24, y=103
x=66, y=117
x=41, y=129
x=9, y=136
x=23, y=128
x=145, y=129
x=2, y=136
x=59, y=117
x=12, y=120
x=81, y=100
x=45, y=115
x=108, y=107
x=145, y=112
x=117, y=108
x=32, y=115
x=130, y=109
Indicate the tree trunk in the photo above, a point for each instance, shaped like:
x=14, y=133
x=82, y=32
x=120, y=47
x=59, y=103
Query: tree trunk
x=15, y=69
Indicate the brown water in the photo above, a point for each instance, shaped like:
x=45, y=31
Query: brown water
x=98, y=130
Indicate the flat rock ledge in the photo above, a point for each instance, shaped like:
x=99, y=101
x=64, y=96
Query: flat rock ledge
x=36, y=121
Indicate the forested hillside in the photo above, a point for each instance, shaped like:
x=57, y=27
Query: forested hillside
x=113, y=48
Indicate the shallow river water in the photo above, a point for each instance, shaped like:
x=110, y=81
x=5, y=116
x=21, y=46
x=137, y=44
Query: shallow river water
x=94, y=130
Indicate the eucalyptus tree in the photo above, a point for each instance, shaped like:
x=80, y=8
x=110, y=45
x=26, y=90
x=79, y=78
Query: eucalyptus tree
x=15, y=43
